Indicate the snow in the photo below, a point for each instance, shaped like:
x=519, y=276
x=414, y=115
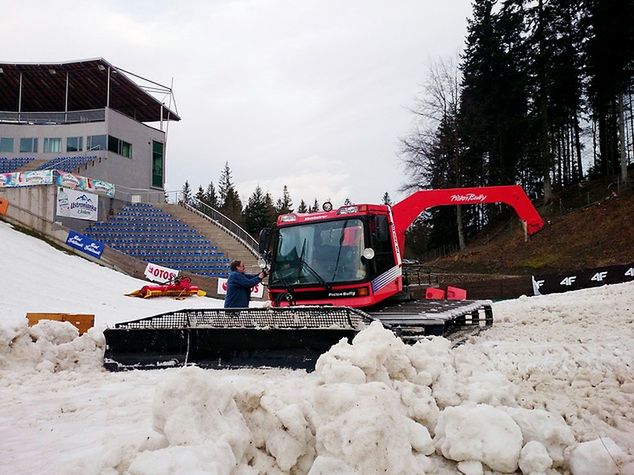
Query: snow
x=548, y=389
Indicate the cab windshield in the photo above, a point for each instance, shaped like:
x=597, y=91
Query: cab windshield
x=319, y=253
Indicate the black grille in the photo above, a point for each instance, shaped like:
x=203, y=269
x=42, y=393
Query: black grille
x=278, y=318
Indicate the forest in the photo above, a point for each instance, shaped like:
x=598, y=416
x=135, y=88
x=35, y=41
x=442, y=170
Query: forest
x=541, y=96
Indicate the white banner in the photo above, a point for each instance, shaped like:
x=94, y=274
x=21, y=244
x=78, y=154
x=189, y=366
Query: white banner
x=77, y=204
x=160, y=274
x=257, y=291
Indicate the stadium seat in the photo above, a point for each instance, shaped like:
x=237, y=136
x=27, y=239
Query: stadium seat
x=147, y=233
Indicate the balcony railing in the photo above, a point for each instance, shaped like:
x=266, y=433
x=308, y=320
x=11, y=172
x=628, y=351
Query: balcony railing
x=52, y=118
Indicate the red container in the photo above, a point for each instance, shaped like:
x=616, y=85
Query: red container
x=432, y=293
x=456, y=293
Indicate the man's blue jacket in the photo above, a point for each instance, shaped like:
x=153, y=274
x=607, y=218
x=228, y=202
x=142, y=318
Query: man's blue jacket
x=239, y=289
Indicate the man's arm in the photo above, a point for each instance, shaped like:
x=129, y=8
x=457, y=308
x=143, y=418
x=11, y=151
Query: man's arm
x=247, y=280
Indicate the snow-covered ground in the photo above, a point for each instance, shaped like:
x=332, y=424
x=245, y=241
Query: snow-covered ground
x=549, y=389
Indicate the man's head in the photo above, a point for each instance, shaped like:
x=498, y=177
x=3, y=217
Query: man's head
x=237, y=265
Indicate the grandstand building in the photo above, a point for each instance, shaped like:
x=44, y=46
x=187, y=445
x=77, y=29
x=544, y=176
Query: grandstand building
x=82, y=163
x=87, y=117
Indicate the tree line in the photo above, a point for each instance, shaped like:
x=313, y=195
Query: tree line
x=541, y=96
x=261, y=209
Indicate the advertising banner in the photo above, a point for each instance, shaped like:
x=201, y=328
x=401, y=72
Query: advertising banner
x=32, y=178
x=160, y=274
x=77, y=204
x=58, y=177
x=583, y=279
x=257, y=291
x=85, y=244
x=78, y=182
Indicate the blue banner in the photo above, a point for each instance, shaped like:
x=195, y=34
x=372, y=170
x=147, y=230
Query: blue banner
x=85, y=244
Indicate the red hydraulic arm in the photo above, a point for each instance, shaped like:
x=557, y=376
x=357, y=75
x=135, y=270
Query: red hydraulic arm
x=406, y=211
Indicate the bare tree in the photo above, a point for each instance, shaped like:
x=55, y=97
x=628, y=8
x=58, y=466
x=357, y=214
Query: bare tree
x=431, y=153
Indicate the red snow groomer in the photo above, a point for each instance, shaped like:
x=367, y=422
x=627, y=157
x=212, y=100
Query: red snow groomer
x=331, y=274
x=179, y=287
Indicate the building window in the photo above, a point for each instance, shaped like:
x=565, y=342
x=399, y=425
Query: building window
x=74, y=144
x=119, y=146
x=96, y=142
x=28, y=145
x=52, y=145
x=157, y=164
x=6, y=144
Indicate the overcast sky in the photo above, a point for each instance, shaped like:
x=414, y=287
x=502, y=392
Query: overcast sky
x=313, y=94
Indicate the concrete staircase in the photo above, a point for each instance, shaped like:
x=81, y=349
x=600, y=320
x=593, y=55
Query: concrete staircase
x=231, y=247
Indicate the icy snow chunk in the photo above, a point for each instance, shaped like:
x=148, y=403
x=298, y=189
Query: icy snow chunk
x=419, y=402
x=470, y=467
x=377, y=353
x=185, y=460
x=596, y=457
x=431, y=357
x=191, y=407
x=534, y=458
x=479, y=433
x=491, y=388
x=281, y=429
x=545, y=427
x=51, y=346
x=365, y=427
x=325, y=465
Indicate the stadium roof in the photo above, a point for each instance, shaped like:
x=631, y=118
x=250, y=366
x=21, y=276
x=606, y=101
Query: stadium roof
x=44, y=89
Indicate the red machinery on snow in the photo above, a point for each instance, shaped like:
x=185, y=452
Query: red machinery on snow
x=352, y=256
x=179, y=287
x=331, y=273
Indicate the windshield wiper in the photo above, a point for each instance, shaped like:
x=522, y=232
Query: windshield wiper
x=303, y=263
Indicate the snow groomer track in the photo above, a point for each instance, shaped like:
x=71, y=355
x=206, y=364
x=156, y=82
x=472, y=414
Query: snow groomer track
x=290, y=337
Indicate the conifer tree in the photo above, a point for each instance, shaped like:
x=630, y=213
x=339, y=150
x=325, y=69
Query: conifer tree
x=187, y=192
x=230, y=204
x=284, y=204
x=256, y=213
x=302, y=208
x=211, y=198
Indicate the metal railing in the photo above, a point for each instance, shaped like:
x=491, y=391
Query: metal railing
x=141, y=195
x=226, y=224
x=43, y=118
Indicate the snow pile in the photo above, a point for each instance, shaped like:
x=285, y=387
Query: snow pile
x=548, y=389
x=370, y=407
x=50, y=346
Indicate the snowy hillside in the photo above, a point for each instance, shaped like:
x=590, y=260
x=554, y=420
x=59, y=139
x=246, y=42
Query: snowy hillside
x=549, y=389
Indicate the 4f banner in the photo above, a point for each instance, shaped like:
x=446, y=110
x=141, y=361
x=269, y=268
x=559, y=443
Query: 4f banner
x=77, y=204
x=583, y=279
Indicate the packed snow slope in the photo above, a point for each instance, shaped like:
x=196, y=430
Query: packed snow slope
x=549, y=389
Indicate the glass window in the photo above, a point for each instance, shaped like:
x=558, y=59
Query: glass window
x=125, y=149
x=74, y=144
x=28, y=145
x=157, y=164
x=6, y=144
x=320, y=253
x=120, y=147
x=381, y=242
x=113, y=144
x=96, y=142
x=52, y=145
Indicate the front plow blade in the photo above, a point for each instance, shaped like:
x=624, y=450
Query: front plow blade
x=219, y=338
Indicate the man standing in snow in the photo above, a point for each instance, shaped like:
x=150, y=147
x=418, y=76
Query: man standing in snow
x=239, y=285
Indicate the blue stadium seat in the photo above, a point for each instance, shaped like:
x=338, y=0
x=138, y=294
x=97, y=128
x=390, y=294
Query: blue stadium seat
x=147, y=233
